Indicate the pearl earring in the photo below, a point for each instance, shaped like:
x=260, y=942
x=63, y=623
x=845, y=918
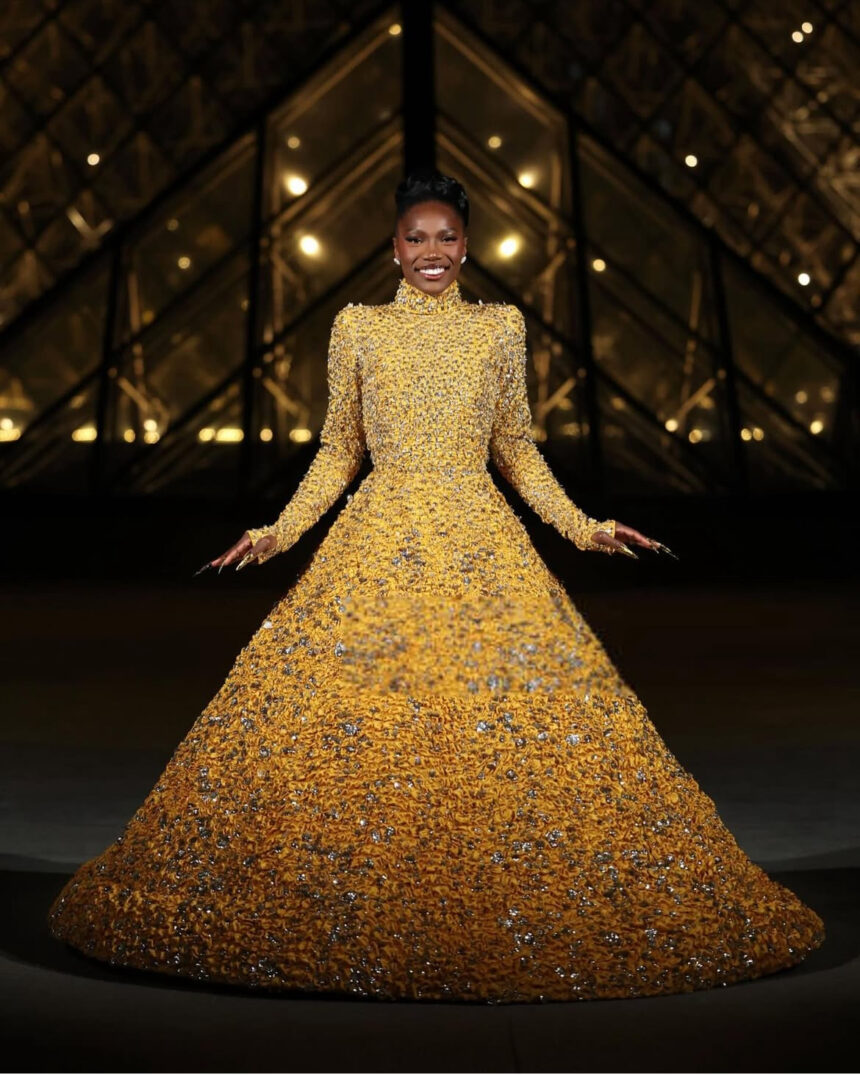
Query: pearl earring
x=397, y=261
x=462, y=259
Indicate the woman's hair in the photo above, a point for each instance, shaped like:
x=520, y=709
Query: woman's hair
x=429, y=185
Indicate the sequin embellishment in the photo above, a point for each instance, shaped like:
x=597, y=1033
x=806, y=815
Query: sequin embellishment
x=423, y=775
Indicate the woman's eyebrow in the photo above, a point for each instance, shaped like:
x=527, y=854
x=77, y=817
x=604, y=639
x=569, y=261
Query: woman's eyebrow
x=421, y=230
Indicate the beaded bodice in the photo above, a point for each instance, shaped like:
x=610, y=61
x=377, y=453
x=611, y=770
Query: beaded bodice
x=429, y=385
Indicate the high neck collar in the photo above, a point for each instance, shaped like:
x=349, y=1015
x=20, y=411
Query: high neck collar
x=413, y=298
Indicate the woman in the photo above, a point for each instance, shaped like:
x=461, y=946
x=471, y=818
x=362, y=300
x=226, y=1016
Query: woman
x=423, y=776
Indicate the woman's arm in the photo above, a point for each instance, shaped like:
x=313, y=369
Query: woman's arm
x=513, y=450
x=342, y=447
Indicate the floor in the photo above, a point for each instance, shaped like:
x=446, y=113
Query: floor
x=754, y=686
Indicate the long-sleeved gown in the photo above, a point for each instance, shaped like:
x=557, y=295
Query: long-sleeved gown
x=423, y=776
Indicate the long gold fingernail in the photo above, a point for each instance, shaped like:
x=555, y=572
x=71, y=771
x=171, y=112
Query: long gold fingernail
x=665, y=548
x=627, y=551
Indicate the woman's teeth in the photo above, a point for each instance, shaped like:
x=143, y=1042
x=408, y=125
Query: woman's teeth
x=431, y=273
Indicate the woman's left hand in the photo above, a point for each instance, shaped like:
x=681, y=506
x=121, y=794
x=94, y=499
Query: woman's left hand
x=624, y=537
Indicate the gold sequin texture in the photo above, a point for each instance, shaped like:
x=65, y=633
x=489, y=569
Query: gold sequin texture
x=423, y=777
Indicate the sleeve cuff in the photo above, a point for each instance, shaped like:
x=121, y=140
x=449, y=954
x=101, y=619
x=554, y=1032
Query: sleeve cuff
x=264, y=531
x=586, y=544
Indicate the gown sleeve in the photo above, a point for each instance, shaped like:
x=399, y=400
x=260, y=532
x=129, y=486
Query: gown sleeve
x=513, y=450
x=342, y=447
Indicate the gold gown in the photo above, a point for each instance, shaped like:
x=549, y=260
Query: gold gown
x=423, y=776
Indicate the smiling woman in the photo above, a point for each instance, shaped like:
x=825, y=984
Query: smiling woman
x=424, y=776
x=430, y=233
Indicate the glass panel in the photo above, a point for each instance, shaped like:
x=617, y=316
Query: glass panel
x=331, y=229
x=633, y=233
x=98, y=25
x=191, y=235
x=93, y=121
x=556, y=382
x=643, y=72
x=641, y=458
x=688, y=30
x=10, y=245
x=788, y=365
x=37, y=183
x=199, y=458
x=511, y=131
x=843, y=304
x=73, y=233
x=134, y=175
x=332, y=115
x=22, y=281
x=168, y=371
x=41, y=364
x=18, y=19
x=57, y=454
x=145, y=68
x=781, y=457
x=654, y=324
x=766, y=109
x=676, y=384
x=47, y=69
x=523, y=248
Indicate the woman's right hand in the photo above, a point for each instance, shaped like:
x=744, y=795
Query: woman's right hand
x=243, y=552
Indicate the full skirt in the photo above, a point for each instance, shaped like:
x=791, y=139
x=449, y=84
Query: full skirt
x=423, y=777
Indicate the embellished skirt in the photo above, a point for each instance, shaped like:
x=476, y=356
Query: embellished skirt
x=423, y=777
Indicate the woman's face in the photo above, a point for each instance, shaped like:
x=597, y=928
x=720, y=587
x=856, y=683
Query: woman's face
x=430, y=236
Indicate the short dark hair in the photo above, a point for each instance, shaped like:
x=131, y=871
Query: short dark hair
x=430, y=185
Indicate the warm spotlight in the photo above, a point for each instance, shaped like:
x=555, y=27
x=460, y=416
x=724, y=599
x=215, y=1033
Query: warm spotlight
x=816, y=426
x=691, y=160
x=93, y=159
x=184, y=262
x=508, y=247
x=526, y=179
x=293, y=142
x=295, y=184
x=309, y=245
x=494, y=141
x=300, y=435
x=229, y=435
x=599, y=265
x=266, y=434
x=395, y=29
x=804, y=278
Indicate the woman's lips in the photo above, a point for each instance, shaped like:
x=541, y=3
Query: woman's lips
x=433, y=274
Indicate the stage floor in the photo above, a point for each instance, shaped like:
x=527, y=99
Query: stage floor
x=754, y=688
